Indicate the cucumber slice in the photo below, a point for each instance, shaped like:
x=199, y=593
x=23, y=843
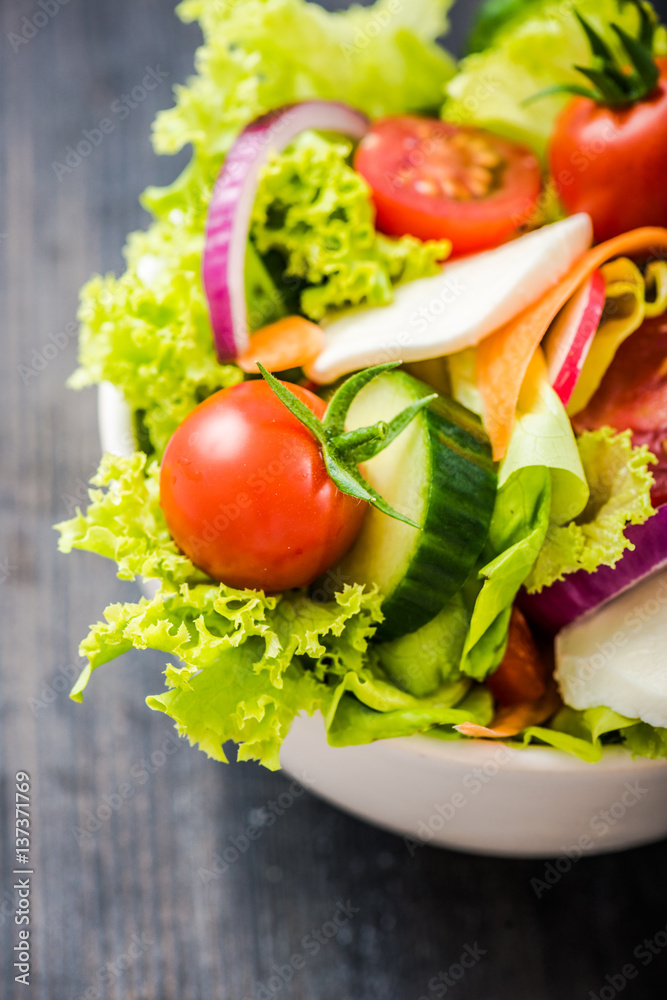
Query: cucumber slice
x=440, y=473
x=423, y=660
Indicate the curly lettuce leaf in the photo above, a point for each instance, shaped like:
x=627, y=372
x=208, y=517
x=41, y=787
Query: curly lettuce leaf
x=315, y=211
x=148, y=331
x=620, y=484
x=535, y=49
x=124, y=522
x=246, y=663
x=262, y=54
x=229, y=701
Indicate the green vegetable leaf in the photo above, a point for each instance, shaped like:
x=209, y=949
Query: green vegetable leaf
x=245, y=663
x=374, y=710
x=491, y=17
x=580, y=732
x=262, y=54
x=536, y=46
x=315, y=212
x=541, y=481
x=646, y=741
x=124, y=522
x=148, y=331
x=620, y=494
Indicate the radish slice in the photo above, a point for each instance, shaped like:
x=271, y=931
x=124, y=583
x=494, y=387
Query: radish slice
x=571, y=334
x=565, y=601
x=231, y=206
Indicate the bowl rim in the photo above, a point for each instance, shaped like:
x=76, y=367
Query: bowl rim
x=116, y=435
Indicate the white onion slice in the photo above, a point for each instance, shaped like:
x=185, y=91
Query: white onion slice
x=232, y=202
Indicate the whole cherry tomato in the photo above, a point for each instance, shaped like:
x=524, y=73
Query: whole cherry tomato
x=610, y=161
x=247, y=496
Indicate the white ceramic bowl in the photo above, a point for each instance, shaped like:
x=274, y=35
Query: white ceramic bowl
x=472, y=795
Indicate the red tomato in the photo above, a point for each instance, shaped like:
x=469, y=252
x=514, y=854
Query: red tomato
x=610, y=162
x=247, y=496
x=522, y=675
x=436, y=181
x=633, y=396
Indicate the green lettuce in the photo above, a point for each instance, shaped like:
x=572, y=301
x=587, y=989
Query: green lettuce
x=536, y=48
x=646, y=741
x=245, y=663
x=541, y=481
x=491, y=17
x=262, y=54
x=563, y=504
x=585, y=733
x=148, y=331
x=620, y=494
x=316, y=212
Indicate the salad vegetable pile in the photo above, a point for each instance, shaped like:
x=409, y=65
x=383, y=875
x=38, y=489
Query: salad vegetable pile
x=394, y=347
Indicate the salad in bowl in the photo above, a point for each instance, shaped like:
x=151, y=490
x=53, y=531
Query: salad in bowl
x=391, y=360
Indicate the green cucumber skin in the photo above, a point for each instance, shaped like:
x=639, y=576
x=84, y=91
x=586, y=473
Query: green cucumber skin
x=461, y=498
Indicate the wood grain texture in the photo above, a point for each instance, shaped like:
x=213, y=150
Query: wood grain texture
x=129, y=911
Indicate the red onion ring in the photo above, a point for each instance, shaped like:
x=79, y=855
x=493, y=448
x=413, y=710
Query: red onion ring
x=230, y=210
x=581, y=592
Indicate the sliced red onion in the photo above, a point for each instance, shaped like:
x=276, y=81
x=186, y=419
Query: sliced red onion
x=581, y=592
x=232, y=203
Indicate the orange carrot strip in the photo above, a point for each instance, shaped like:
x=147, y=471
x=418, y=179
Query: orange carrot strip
x=503, y=358
x=292, y=342
x=513, y=719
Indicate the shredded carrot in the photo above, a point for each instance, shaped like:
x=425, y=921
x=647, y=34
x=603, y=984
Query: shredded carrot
x=292, y=342
x=513, y=719
x=503, y=358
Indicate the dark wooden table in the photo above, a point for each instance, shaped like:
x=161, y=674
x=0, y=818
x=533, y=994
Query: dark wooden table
x=130, y=910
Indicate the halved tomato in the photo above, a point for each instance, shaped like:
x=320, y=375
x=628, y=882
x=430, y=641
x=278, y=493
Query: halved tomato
x=435, y=180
